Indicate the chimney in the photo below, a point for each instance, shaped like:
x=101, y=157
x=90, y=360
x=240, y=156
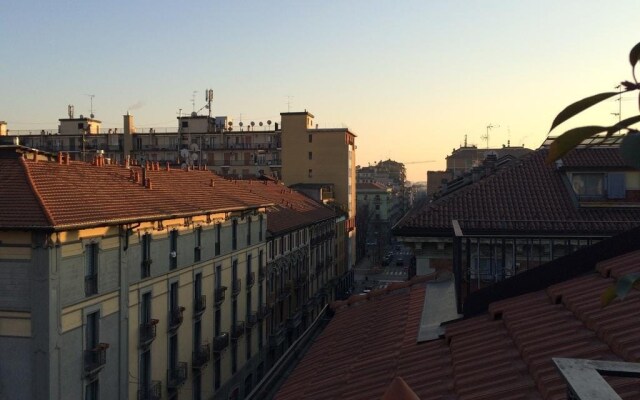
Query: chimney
x=67, y=159
x=148, y=184
x=212, y=183
x=168, y=169
x=129, y=130
x=127, y=162
x=59, y=159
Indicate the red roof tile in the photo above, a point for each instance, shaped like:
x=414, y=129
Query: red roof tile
x=503, y=354
x=47, y=194
x=529, y=196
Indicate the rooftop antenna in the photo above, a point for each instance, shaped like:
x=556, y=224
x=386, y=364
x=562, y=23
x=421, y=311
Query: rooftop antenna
x=193, y=101
x=486, y=136
x=465, y=140
x=289, y=103
x=70, y=111
x=209, y=98
x=91, y=96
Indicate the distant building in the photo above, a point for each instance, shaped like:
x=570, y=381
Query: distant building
x=377, y=212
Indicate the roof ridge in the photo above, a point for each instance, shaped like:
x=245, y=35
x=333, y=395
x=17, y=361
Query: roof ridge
x=36, y=192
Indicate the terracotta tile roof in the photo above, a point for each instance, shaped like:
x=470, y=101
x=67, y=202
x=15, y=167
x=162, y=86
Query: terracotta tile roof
x=503, y=354
x=608, y=157
x=370, y=186
x=291, y=209
x=529, y=196
x=49, y=195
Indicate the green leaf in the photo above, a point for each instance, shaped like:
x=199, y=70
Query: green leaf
x=580, y=106
x=623, y=124
x=570, y=139
x=608, y=295
x=634, y=55
x=625, y=283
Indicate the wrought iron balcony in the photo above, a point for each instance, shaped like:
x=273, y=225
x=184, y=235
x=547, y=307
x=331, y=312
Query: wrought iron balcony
x=236, y=287
x=261, y=274
x=252, y=320
x=199, y=305
x=96, y=358
x=263, y=312
x=295, y=320
x=148, y=332
x=201, y=357
x=276, y=338
x=220, y=342
x=91, y=284
x=177, y=375
x=251, y=279
x=175, y=318
x=237, y=330
x=219, y=295
x=150, y=392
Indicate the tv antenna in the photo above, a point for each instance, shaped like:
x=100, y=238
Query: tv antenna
x=91, y=96
x=209, y=98
x=486, y=136
x=193, y=101
x=289, y=103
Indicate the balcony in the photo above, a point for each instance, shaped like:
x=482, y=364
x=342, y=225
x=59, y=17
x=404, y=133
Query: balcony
x=175, y=318
x=220, y=342
x=151, y=392
x=251, y=279
x=148, y=332
x=177, y=375
x=263, y=312
x=276, y=338
x=219, y=295
x=95, y=359
x=261, y=274
x=237, y=330
x=201, y=357
x=236, y=287
x=91, y=285
x=295, y=320
x=252, y=320
x=199, y=305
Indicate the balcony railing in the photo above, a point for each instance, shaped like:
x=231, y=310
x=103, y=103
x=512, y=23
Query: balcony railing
x=199, y=305
x=261, y=274
x=237, y=286
x=96, y=358
x=251, y=279
x=220, y=342
x=237, y=330
x=201, y=356
x=176, y=318
x=263, y=312
x=177, y=375
x=91, y=284
x=151, y=392
x=276, y=338
x=148, y=332
x=219, y=295
x=252, y=320
x=146, y=268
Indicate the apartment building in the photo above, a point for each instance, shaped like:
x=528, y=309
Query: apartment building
x=126, y=281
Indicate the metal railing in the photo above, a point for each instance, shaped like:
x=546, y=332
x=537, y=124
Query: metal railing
x=220, y=342
x=96, y=358
x=176, y=318
x=219, y=295
x=199, y=305
x=177, y=375
x=150, y=392
x=237, y=330
x=251, y=279
x=201, y=356
x=148, y=332
x=236, y=287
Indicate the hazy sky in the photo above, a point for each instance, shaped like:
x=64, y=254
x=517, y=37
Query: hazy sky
x=410, y=78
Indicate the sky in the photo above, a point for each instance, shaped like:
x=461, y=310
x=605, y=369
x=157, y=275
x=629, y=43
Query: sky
x=410, y=78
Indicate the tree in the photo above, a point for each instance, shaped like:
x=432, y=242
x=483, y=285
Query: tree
x=629, y=150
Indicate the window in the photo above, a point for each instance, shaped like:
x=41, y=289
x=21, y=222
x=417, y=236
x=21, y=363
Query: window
x=588, y=184
x=310, y=138
x=91, y=269
x=234, y=357
x=249, y=231
x=217, y=244
x=234, y=235
x=145, y=372
x=92, y=331
x=198, y=242
x=145, y=247
x=310, y=155
x=185, y=124
x=310, y=173
x=173, y=249
x=91, y=390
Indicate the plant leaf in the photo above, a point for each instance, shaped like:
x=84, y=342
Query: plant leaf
x=580, y=106
x=634, y=55
x=623, y=124
x=608, y=296
x=625, y=283
x=570, y=139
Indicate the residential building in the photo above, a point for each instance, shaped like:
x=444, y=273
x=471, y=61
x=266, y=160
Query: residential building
x=377, y=212
x=311, y=155
x=528, y=337
x=524, y=215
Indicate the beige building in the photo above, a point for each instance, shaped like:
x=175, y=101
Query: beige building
x=321, y=156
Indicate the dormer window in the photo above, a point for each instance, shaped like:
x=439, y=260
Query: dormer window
x=589, y=184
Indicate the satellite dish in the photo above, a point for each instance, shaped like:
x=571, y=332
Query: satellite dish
x=194, y=147
x=269, y=122
x=194, y=156
x=230, y=123
x=240, y=123
x=260, y=123
x=204, y=156
x=253, y=123
x=184, y=153
x=91, y=115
